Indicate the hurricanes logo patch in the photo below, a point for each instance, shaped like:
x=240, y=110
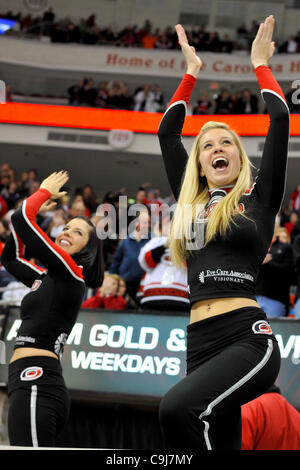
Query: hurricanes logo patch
x=36, y=284
x=261, y=327
x=31, y=373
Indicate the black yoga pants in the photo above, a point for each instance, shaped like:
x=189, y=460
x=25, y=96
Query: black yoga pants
x=38, y=401
x=231, y=359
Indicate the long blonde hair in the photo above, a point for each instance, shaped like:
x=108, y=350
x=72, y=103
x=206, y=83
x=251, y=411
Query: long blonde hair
x=194, y=194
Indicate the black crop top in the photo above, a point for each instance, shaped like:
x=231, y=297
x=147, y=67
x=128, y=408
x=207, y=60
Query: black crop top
x=228, y=266
x=49, y=310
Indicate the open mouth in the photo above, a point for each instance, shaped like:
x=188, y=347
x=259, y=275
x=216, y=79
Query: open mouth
x=220, y=163
x=64, y=243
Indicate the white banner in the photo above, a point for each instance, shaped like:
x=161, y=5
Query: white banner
x=148, y=62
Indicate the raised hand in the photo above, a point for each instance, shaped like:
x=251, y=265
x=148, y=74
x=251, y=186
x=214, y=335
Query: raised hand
x=54, y=182
x=194, y=63
x=48, y=206
x=263, y=47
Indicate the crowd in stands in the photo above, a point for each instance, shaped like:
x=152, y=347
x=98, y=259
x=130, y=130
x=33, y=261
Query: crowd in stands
x=149, y=98
x=116, y=95
x=139, y=274
x=88, y=31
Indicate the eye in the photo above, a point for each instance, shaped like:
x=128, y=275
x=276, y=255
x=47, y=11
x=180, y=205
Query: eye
x=79, y=232
x=226, y=141
x=206, y=146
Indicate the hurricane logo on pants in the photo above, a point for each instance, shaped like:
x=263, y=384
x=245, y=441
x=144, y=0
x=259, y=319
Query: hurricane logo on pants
x=31, y=373
x=262, y=327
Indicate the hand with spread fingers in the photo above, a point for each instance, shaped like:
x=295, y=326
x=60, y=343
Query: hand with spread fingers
x=54, y=182
x=194, y=63
x=48, y=206
x=263, y=47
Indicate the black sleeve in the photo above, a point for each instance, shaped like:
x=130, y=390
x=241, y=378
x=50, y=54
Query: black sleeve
x=174, y=154
x=270, y=182
x=20, y=268
x=53, y=257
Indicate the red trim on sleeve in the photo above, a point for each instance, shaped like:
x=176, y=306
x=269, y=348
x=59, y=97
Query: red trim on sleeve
x=184, y=90
x=267, y=81
x=20, y=249
x=151, y=263
x=3, y=207
x=31, y=208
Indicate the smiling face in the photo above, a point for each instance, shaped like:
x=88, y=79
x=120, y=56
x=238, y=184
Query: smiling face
x=219, y=158
x=74, y=236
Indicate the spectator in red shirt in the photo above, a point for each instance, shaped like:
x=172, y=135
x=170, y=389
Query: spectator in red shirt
x=295, y=199
x=107, y=296
x=270, y=422
x=3, y=207
x=291, y=224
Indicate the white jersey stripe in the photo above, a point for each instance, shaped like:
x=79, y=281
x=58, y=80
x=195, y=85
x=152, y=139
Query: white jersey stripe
x=264, y=90
x=24, y=261
x=48, y=245
x=232, y=389
x=33, y=400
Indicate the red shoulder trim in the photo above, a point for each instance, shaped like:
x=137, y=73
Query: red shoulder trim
x=29, y=210
x=184, y=90
x=267, y=81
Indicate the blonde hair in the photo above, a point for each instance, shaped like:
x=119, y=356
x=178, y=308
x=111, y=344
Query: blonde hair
x=194, y=193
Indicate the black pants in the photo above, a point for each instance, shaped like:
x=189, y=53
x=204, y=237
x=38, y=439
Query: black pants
x=231, y=359
x=38, y=401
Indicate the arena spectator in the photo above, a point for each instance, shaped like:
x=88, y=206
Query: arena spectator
x=296, y=229
x=203, y=105
x=270, y=422
x=125, y=260
x=295, y=199
x=226, y=45
x=75, y=92
x=107, y=296
x=247, y=103
x=213, y=43
x=3, y=207
x=78, y=208
x=164, y=286
x=102, y=95
x=224, y=103
x=149, y=40
x=88, y=93
x=119, y=97
x=89, y=198
x=14, y=293
x=292, y=45
x=47, y=21
x=163, y=42
x=56, y=223
x=293, y=219
x=296, y=254
x=122, y=291
x=275, y=277
x=158, y=98
x=144, y=100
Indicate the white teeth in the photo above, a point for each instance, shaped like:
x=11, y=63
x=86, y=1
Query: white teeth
x=65, y=243
x=218, y=159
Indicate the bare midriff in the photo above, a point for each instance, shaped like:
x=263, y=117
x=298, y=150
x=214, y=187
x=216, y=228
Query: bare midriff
x=212, y=307
x=19, y=353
